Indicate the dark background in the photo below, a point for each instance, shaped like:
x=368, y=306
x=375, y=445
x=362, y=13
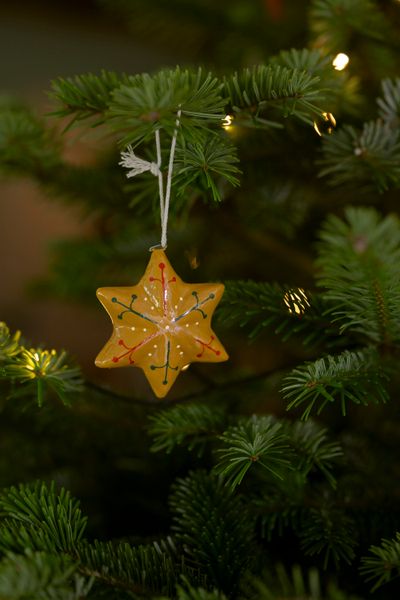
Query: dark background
x=40, y=41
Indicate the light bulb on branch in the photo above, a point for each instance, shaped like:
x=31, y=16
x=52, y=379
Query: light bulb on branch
x=340, y=61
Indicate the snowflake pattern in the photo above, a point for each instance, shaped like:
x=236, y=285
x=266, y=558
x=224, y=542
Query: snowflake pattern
x=161, y=325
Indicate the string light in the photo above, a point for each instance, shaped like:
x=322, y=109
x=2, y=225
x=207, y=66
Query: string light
x=40, y=362
x=296, y=301
x=185, y=367
x=340, y=61
x=326, y=125
x=227, y=122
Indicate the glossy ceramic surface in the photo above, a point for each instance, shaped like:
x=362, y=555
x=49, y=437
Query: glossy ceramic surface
x=161, y=325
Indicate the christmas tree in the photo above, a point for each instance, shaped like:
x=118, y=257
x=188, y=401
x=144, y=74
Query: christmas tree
x=273, y=475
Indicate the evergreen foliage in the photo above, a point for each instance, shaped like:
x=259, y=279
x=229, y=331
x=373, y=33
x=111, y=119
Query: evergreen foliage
x=389, y=104
x=26, y=144
x=257, y=441
x=313, y=449
x=281, y=466
x=384, y=564
x=41, y=576
x=288, y=90
x=188, y=592
x=42, y=535
x=295, y=584
x=359, y=269
x=290, y=311
x=335, y=21
x=351, y=376
x=369, y=157
x=198, y=163
x=214, y=528
x=146, y=567
x=9, y=344
x=86, y=96
x=328, y=532
x=35, y=371
x=190, y=424
x=48, y=519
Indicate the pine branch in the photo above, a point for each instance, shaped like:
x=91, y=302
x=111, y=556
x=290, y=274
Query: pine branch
x=138, y=105
x=41, y=576
x=313, y=450
x=330, y=532
x=279, y=504
x=142, y=569
x=191, y=425
x=26, y=145
x=290, y=311
x=188, y=592
x=51, y=520
x=254, y=93
x=312, y=61
x=35, y=518
x=351, y=376
x=148, y=103
x=334, y=22
x=359, y=262
x=339, y=89
x=287, y=585
x=259, y=440
x=293, y=583
x=384, y=564
x=389, y=104
x=369, y=158
x=29, y=148
x=86, y=96
x=9, y=344
x=202, y=165
x=214, y=528
x=35, y=371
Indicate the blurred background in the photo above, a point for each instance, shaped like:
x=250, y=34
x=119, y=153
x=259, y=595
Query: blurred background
x=40, y=41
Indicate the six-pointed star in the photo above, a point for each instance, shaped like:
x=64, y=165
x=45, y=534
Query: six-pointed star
x=161, y=325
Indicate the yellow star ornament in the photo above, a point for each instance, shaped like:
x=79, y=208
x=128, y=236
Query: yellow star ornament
x=161, y=325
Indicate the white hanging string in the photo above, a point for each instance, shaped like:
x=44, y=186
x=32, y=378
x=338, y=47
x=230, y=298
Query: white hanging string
x=137, y=165
x=160, y=176
x=164, y=217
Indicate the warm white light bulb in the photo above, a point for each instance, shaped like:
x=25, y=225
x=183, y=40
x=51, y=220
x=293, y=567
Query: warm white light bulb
x=227, y=122
x=340, y=61
x=296, y=301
